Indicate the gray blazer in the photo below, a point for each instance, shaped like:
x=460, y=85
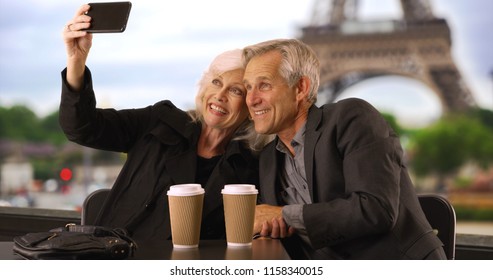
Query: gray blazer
x=364, y=203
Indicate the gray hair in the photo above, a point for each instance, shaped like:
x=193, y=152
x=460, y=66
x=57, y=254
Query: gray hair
x=225, y=62
x=298, y=60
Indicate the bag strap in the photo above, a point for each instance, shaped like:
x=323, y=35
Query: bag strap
x=83, y=228
x=99, y=231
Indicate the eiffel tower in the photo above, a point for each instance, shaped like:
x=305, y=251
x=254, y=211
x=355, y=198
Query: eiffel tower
x=417, y=46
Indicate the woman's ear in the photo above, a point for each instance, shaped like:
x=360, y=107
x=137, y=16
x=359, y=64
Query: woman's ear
x=303, y=88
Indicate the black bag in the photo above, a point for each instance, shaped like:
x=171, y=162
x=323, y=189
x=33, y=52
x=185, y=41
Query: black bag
x=76, y=242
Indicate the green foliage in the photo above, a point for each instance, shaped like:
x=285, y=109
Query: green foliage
x=51, y=127
x=451, y=142
x=473, y=214
x=44, y=169
x=483, y=115
x=392, y=122
x=20, y=123
x=462, y=182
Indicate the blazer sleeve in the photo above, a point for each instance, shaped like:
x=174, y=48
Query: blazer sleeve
x=371, y=165
x=106, y=129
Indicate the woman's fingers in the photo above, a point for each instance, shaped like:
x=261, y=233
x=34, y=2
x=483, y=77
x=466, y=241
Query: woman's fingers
x=78, y=28
x=82, y=10
x=80, y=22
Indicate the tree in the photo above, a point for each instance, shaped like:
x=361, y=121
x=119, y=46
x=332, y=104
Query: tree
x=450, y=143
x=485, y=116
x=19, y=123
x=52, y=130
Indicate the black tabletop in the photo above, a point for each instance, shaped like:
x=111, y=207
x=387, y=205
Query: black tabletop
x=261, y=249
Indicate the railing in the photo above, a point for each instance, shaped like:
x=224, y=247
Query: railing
x=474, y=247
x=16, y=221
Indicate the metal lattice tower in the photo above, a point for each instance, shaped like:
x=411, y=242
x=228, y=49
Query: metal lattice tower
x=417, y=46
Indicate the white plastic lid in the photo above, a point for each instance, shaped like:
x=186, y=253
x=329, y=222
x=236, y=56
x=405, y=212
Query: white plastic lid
x=239, y=189
x=185, y=190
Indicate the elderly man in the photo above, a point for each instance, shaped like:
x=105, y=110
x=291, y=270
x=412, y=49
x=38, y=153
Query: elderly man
x=334, y=176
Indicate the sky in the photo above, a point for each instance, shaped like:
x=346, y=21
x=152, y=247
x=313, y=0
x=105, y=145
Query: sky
x=168, y=44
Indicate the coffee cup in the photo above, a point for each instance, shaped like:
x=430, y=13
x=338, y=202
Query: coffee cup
x=239, y=213
x=185, y=210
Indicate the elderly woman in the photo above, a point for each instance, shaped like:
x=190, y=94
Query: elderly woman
x=211, y=145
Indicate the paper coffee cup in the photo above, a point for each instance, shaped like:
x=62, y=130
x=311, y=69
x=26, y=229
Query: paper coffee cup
x=239, y=212
x=185, y=210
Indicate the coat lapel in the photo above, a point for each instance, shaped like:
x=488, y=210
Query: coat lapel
x=181, y=161
x=182, y=166
x=221, y=175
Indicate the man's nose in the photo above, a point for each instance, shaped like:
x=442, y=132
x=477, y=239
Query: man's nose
x=252, y=98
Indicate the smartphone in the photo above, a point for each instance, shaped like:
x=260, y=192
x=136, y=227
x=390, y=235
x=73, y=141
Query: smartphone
x=108, y=17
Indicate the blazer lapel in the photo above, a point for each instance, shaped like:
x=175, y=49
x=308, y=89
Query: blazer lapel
x=311, y=137
x=267, y=167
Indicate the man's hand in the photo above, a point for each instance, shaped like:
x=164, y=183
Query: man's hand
x=269, y=222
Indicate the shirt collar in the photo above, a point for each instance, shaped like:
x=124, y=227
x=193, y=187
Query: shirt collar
x=298, y=139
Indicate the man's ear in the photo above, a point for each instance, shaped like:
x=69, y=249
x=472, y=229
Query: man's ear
x=303, y=88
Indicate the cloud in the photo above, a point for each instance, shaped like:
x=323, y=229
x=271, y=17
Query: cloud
x=167, y=44
x=421, y=105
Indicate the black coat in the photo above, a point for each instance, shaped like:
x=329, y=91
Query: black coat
x=161, y=146
x=364, y=203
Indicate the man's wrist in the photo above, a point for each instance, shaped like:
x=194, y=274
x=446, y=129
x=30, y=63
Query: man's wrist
x=293, y=215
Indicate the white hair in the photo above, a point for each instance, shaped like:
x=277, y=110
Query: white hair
x=225, y=62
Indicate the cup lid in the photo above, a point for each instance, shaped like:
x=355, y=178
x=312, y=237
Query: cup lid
x=185, y=190
x=239, y=189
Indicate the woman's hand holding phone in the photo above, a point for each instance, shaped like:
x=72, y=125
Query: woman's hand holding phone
x=78, y=42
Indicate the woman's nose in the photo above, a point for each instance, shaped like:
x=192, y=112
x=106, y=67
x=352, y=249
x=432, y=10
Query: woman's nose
x=221, y=95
